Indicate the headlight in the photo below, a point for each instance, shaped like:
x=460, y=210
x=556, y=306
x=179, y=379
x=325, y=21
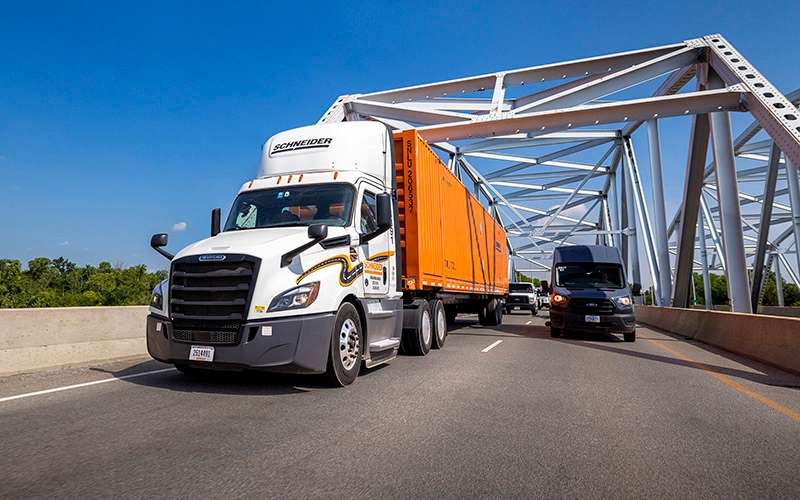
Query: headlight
x=623, y=303
x=296, y=298
x=157, y=297
x=558, y=300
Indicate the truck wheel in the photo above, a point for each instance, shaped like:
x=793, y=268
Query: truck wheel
x=555, y=332
x=494, y=313
x=417, y=341
x=344, y=361
x=439, y=324
x=630, y=337
x=534, y=311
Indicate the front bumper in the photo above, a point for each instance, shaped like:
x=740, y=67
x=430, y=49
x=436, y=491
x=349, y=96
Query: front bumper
x=295, y=345
x=618, y=322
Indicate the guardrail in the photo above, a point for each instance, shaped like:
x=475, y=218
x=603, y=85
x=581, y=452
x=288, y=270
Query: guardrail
x=60, y=337
x=774, y=340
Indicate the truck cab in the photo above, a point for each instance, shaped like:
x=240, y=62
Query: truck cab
x=589, y=292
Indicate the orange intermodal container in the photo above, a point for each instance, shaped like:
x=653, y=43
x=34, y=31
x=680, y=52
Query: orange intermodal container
x=450, y=243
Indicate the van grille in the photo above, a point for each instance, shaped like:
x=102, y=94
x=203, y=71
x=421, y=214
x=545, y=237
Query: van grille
x=592, y=306
x=209, y=300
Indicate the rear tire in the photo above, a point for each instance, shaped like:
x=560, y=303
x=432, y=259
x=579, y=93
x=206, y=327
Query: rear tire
x=417, y=341
x=492, y=314
x=344, y=360
x=439, y=323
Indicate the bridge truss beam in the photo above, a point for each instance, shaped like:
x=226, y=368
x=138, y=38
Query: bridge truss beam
x=551, y=151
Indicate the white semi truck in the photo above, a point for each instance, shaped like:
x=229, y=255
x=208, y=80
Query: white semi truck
x=352, y=243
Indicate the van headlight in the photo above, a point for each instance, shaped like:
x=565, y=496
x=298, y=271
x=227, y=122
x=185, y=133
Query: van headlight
x=295, y=298
x=623, y=303
x=559, y=301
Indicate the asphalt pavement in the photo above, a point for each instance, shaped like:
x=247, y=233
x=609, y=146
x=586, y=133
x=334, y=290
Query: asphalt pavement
x=499, y=412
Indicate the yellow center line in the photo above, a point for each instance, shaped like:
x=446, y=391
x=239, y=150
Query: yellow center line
x=738, y=387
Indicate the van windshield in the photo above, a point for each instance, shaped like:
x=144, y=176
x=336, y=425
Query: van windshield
x=329, y=204
x=589, y=275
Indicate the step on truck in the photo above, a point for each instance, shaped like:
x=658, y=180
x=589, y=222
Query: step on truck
x=352, y=244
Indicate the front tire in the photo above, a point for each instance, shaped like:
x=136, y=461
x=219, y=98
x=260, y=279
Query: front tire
x=344, y=360
x=629, y=337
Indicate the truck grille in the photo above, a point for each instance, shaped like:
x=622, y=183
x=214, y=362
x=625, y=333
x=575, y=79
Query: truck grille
x=592, y=306
x=517, y=299
x=209, y=299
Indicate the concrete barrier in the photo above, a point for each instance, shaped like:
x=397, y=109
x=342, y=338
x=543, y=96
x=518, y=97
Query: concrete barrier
x=773, y=340
x=60, y=337
x=40, y=339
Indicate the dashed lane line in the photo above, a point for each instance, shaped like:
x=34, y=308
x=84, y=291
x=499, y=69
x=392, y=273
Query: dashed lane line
x=492, y=346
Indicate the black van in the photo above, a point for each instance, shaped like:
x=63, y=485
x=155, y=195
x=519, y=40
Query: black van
x=589, y=292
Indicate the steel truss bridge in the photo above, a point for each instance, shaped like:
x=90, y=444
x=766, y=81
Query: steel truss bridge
x=559, y=153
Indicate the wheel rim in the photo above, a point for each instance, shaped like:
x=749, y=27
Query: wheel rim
x=441, y=324
x=426, y=327
x=349, y=344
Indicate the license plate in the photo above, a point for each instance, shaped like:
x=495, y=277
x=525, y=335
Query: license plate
x=592, y=319
x=201, y=353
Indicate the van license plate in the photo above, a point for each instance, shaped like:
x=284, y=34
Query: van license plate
x=201, y=353
x=592, y=319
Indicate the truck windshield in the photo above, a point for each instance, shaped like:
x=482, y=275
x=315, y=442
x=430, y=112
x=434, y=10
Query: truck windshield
x=329, y=204
x=589, y=275
x=520, y=288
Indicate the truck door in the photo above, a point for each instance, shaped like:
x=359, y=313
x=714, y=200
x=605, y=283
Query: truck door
x=374, y=254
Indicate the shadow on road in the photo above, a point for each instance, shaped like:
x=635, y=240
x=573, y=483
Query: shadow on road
x=247, y=382
x=605, y=342
x=772, y=377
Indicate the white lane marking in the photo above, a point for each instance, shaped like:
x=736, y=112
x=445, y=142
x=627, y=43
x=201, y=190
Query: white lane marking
x=529, y=322
x=492, y=346
x=77, y=386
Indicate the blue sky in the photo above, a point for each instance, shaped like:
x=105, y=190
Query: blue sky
x=123, y=119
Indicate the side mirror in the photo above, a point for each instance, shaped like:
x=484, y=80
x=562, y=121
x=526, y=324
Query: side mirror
x=215, y=224
x=317, y=233
x=637, y=289
x=545, y=287
x=160, y=240
x=384, y=207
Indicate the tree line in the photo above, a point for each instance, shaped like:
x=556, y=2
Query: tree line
x=719, y=291
x=61, y=283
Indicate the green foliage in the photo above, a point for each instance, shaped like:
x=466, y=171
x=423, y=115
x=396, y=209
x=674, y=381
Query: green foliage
x=719, y=289
x=791, y=294
x=60, y=283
